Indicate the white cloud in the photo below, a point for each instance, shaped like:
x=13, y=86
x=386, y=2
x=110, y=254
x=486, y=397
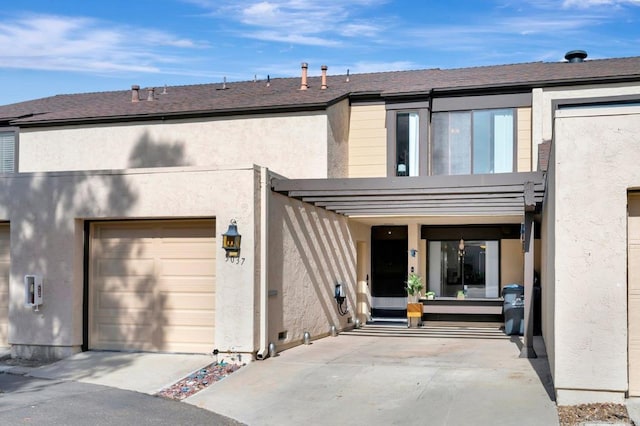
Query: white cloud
x=82, y=44
x=584, y=4
x=300, y=22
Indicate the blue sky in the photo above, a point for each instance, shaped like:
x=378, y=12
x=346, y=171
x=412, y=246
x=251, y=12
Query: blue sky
x=68, y=46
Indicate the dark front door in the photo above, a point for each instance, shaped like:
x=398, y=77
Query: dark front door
x=388, y=271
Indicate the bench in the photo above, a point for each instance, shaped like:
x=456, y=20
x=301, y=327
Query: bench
x=469, y=305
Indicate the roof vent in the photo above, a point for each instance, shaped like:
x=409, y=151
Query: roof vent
x=135, y=93
x=575, y=56
x=151, y=94
x=324, y=77
x=304, y=85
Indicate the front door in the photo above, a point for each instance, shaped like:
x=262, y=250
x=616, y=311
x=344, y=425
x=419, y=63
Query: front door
x=389, y=271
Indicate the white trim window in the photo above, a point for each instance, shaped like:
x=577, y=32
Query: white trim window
x=407, y=144
x=7, y=152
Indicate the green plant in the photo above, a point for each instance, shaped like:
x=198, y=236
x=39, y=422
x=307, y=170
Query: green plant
x=414, y=284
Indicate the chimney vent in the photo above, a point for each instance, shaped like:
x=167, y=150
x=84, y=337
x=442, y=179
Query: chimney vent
x=151, y=94
x=575, y=56
x=324, y=77
x=347, y=80
x=304, y=85
x=164, y=90
x=135, y=93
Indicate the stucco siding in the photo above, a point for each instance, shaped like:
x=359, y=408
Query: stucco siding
x=596, y=158
x=367, y=141
x=547, y=273
x=47, y=214
x=279, y=142
x=311, y=250
x=542, y=112
x=337, y=139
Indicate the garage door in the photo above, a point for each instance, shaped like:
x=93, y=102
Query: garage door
x=152, y=286
x=4, y=284
x=634, y=293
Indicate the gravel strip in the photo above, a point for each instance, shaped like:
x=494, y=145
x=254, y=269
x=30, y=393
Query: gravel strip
x=199, y=380
x=585, y=414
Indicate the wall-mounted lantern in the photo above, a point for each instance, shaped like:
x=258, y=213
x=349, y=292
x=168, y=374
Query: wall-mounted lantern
x=231, y=240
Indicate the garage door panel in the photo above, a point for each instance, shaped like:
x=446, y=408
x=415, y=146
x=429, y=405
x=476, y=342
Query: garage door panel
x=124, y=300
x=153, y=286
x=195, y=319
x=197, y=230
x=136, y=333
x=130, y=284
x=186, y=334
x=125, y=267
x=186, y=285
x=187, y=301
x=188, y=267
x=185, y=251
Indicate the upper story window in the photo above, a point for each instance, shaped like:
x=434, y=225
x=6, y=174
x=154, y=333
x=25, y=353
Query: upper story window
x=473, y=142
x=407, y=144
x=7, y=151
x=455, y=135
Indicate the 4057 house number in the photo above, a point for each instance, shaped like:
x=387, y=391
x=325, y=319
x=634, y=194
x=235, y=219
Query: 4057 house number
x=235, y=260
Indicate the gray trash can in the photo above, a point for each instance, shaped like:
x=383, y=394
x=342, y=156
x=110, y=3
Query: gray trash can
x=513, y=309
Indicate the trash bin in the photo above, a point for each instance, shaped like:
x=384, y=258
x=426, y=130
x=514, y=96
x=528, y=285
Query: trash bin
x=513, y=309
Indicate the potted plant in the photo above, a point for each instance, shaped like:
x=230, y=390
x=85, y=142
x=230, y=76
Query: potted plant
x=414, y=286
x=430, y=295
x=414, y=308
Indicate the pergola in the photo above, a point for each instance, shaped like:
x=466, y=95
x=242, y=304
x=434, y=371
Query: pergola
x=501, y=194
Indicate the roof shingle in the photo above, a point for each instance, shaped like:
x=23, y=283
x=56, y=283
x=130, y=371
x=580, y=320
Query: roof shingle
x=283, y=93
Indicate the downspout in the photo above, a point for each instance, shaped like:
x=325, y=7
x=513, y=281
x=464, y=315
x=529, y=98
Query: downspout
x=265, y=193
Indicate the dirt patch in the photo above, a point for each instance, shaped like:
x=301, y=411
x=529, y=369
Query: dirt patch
x=575, y=415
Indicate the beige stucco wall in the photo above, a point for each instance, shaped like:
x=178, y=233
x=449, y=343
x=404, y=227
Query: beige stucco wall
x=293, y=145
x=47, y=212
x=337, y=139
x=542, y=106
x=512, y=261
x=596, y=162
x=368, y=141
x=547, y=272
x=311, y=249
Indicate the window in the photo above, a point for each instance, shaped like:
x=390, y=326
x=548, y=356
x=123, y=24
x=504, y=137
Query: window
x=407, y=144
x=473, y=142
x=473, y=270
x=7, y=152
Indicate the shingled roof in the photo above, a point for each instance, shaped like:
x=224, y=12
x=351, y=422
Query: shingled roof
x=283, y=94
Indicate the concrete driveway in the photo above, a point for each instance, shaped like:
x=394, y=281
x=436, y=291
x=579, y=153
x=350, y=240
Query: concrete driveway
x=381, y=375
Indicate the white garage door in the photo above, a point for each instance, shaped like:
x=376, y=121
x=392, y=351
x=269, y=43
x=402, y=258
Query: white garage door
x=4, y=284
x=634, y=293
x=152, y=286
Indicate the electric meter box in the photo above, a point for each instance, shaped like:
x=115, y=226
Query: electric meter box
x=32, y=290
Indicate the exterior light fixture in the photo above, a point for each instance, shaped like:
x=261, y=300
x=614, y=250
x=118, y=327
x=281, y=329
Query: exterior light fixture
x=231, y=240
x=461, y=248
